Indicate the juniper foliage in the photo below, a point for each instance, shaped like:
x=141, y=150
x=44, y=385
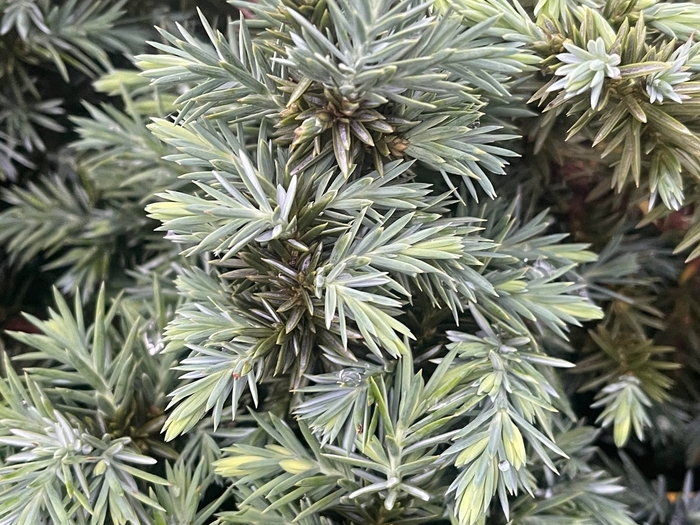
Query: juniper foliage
x=366, y=306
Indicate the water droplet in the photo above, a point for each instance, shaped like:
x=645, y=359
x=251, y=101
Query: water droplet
x=350, y=377
x=542, y=268
x=153, y=341
x=504, y=466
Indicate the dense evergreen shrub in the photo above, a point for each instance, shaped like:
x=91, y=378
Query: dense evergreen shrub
x=354, y=262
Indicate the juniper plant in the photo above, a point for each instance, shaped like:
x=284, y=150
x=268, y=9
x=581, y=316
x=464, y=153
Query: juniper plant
x=357, y=306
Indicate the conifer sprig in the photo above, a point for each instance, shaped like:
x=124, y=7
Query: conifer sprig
x=316, y=258
x=83, y=433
